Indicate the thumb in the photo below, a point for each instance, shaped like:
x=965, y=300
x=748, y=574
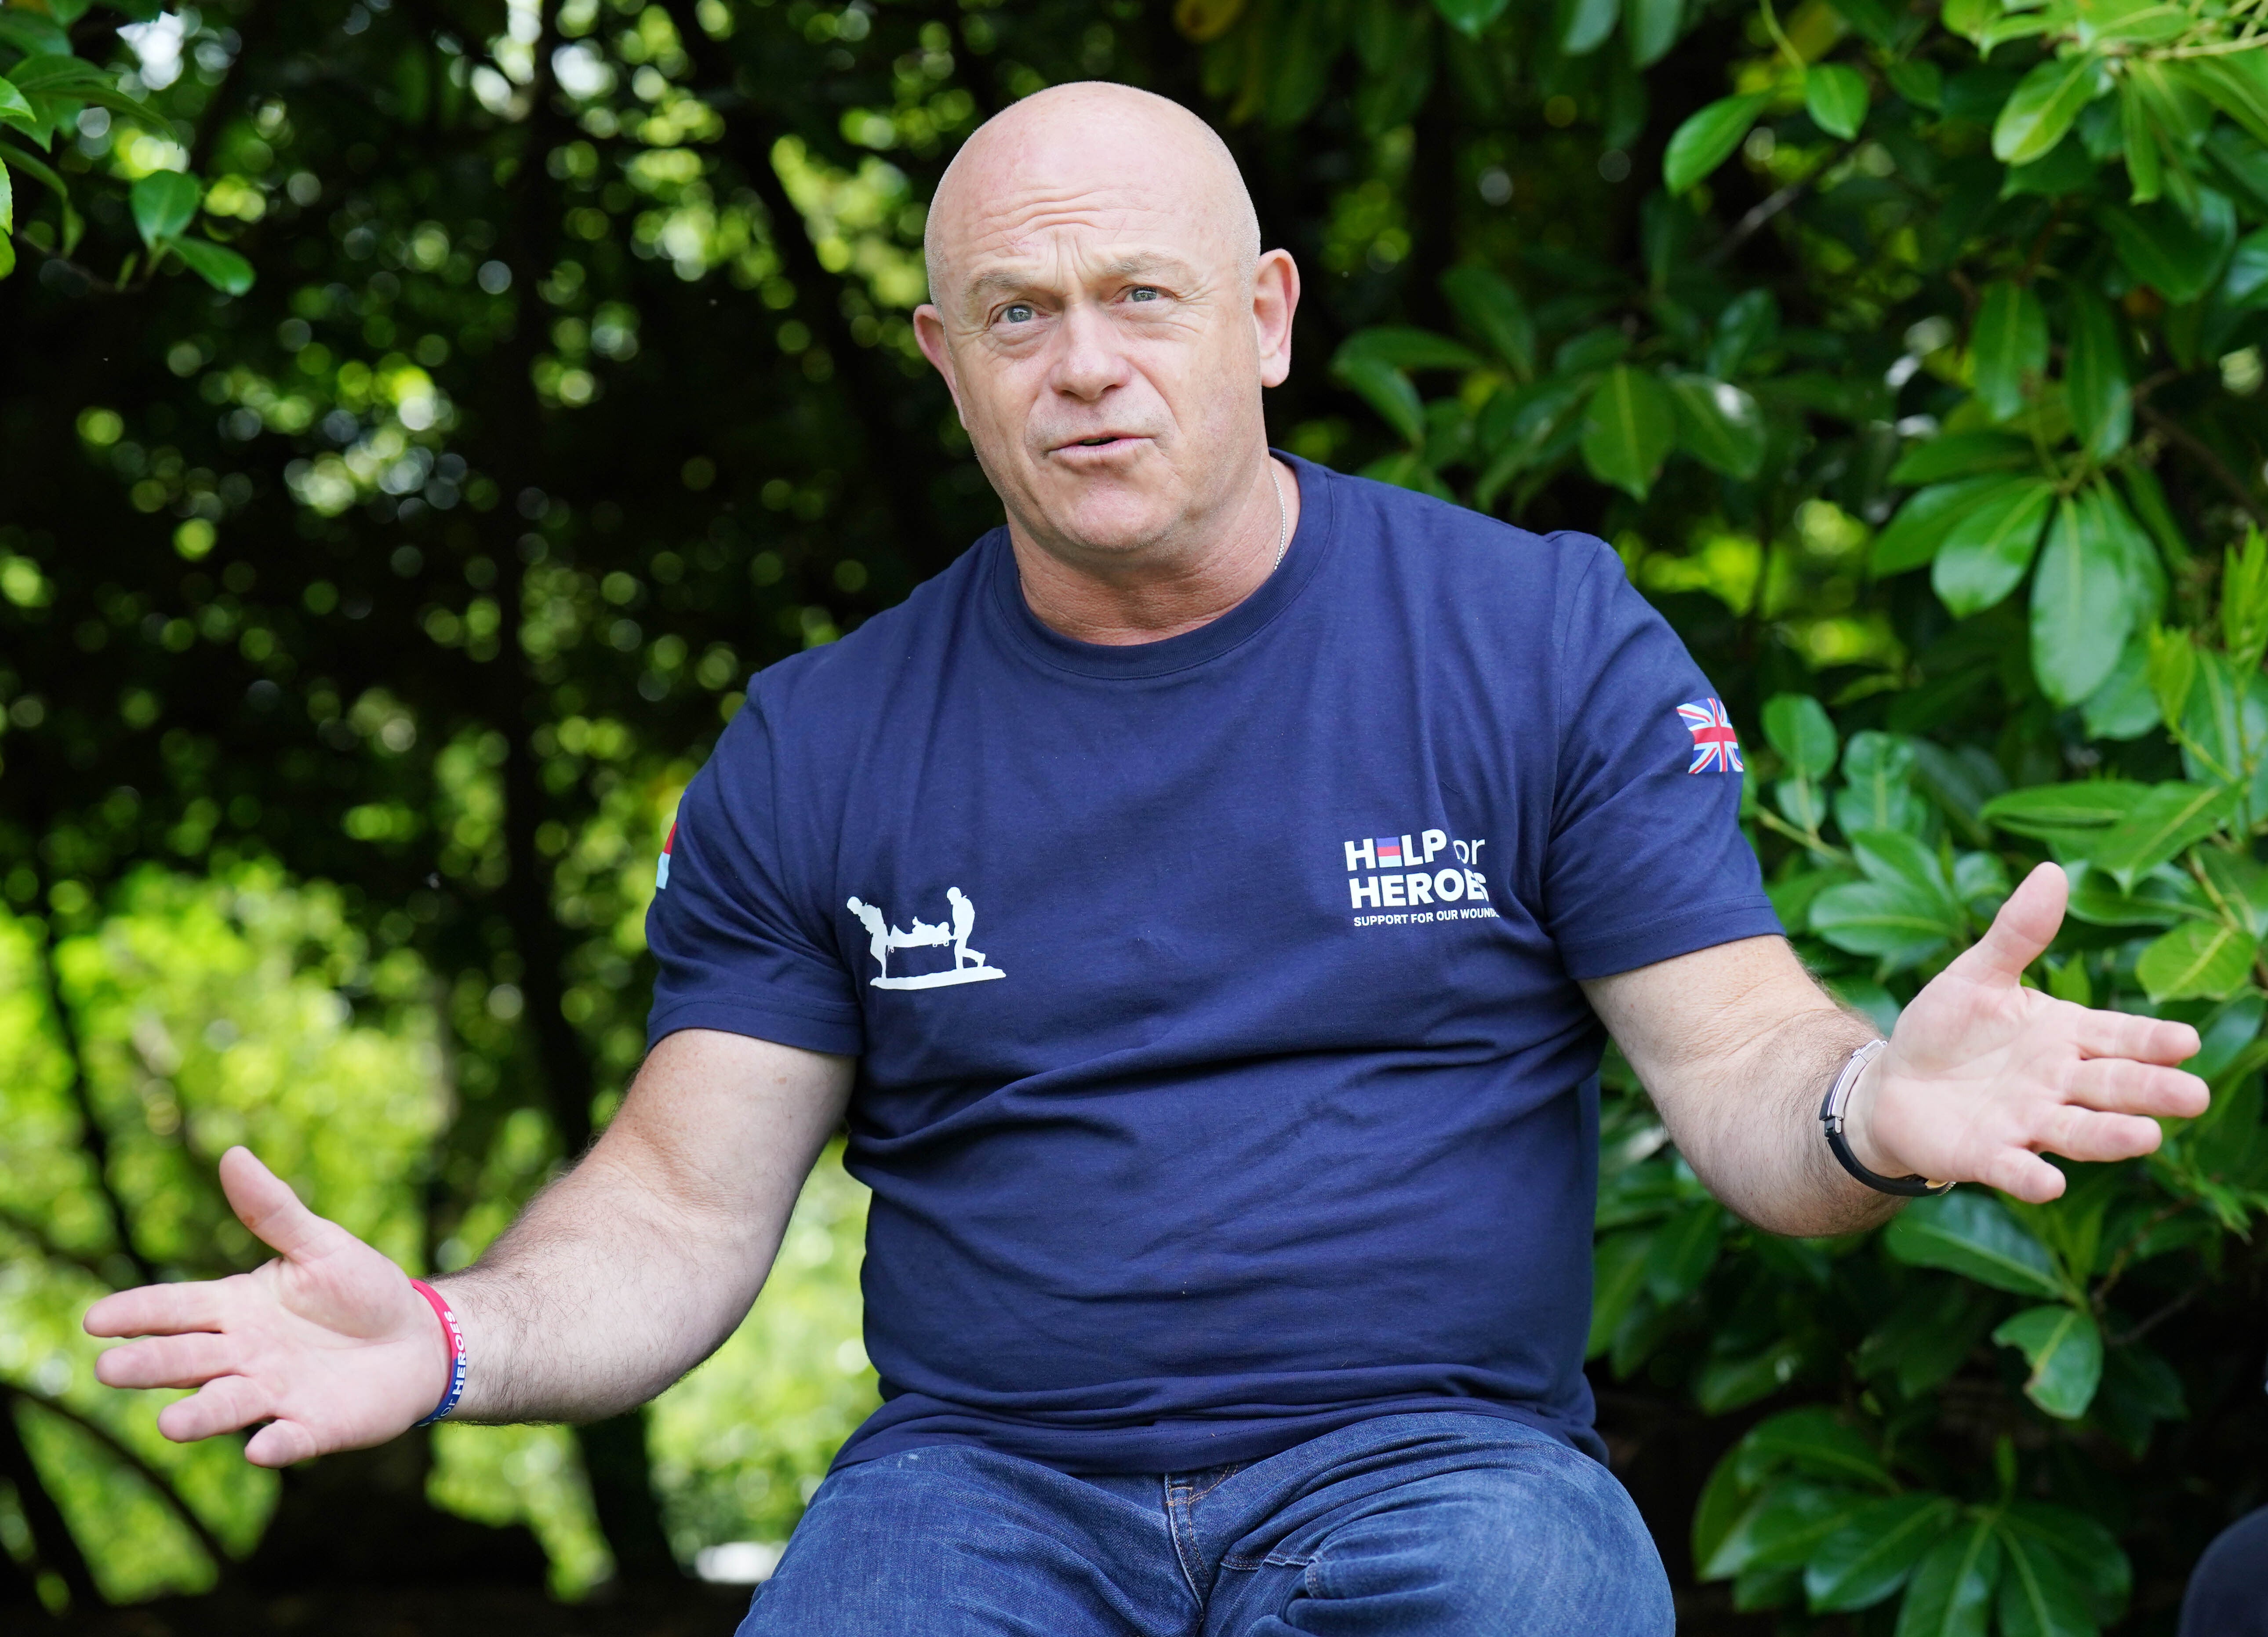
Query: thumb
x=2025, y=927
x=264, y=1203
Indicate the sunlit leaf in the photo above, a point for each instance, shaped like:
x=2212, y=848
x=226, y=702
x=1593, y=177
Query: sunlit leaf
x=1719, y=423
x=2043, y=106
x=218, y=266
x=1797, y=725
x=1835, y=95
x=1707, y=139
x=164, y=202
x=2167, y=818
x=2082, y=605
x=2206, y=959
x=2064, y=1349
x=1990, y=546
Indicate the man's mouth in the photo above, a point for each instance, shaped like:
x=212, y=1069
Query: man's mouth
x=1099, y=440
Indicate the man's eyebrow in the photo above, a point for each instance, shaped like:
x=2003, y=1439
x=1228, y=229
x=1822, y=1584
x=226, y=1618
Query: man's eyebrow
x=1015, y=280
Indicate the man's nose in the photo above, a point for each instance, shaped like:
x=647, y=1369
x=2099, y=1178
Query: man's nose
x=1088, y=363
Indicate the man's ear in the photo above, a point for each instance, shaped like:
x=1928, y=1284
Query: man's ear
x=929, y=330
x=1275, y=298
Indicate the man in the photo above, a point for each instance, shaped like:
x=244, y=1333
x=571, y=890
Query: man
x=1227, y=1268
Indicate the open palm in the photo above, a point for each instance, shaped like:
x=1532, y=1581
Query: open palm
x=1983, y=1075
x=329, y=1344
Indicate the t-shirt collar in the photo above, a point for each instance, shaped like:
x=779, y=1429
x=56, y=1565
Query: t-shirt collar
x=1310, y=543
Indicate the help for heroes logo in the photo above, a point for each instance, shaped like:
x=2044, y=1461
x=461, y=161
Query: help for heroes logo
x=1389, y=872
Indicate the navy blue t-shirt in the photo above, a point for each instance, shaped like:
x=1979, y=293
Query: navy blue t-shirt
x=1223, y=1075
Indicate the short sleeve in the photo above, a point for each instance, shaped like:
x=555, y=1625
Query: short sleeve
x=730, y=950
x=1645, y=858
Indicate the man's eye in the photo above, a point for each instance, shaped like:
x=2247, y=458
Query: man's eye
x=1143, y=292
x=1016, y=313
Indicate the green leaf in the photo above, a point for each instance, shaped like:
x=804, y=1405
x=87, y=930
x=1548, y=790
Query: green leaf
x=1835, y=98
x=1815, y=1440
x=2244, y=602
x=1872, y=1555
x=1587, y=24
x=2039, y=1594
x=1878, y=791
x=2064, y=1350
x=1796, y=724
x=1404, y=348
x=2240, y=884
x=2139, y=137
x=7, y=206
x=1987, y=550
x=220, y=267
x=2146, y=574
x=2082, y=608
x=1903, y=924
x=2170, y=817
x=1724, y=1501
x=2043, y=106
x=1707, y=139
x=1470, y=16
x=2010, y=348
x=1650, y=28
x=14, y=110
x=1748, y=322
x=32, y=34
x=1951, y=1592
x=1386, y=389
x=1489, y=304
x=2044, y=811
x=1628, y=429
x=1782, y=1527
x=1918, y=81
x=1971, y=1234
x=1895, y=859
x=164, y=202
x=2197, y=959
x=1960, y=454
x=2124, y=707
x=2164, y=250
x=2095, y=390
x=2096, y=900
x=1617, y=1276
x=2236, y=84
x=1684, y=1249
x=2087, y=1548
x=1719, y=423
x=1918, y=532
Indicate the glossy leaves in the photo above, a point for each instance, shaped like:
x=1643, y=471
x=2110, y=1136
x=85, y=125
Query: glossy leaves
x=1707, y=139
x=1628, y=429
x=1970, y=1233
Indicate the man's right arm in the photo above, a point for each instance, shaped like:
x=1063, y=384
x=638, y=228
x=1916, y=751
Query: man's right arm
x=617, y=1280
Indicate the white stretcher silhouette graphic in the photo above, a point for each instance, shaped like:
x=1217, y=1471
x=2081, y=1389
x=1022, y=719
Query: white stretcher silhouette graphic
x=881, y=938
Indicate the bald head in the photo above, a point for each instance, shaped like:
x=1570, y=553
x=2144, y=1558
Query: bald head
x=1087, y=143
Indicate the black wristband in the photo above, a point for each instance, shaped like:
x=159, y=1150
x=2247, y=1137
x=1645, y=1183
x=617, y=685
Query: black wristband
x=1831, y=1117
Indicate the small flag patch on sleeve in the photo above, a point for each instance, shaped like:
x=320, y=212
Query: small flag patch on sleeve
x=661, y=869
x=1716, y=747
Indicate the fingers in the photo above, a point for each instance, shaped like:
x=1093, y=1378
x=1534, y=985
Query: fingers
x=2020, y=1173
x=2025, y=927
x=2078, y=1133
x=2119, y=1085
x=2122, y=1035
x=280, y=1443
x=264, y=1203
x=169, y=1361
x=222, y=1406
x=157, y=1310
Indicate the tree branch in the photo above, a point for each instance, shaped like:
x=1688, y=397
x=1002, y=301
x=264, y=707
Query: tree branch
x=223, y=1561
x=2206, y=456
x=95, y=1136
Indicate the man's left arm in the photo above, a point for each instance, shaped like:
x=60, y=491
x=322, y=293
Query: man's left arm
x=1737, y=1045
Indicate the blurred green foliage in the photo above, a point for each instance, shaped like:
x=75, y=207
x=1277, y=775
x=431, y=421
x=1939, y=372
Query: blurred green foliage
x=417, y=416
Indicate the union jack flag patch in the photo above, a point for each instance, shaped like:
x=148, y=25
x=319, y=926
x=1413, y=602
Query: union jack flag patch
x=1716, y=747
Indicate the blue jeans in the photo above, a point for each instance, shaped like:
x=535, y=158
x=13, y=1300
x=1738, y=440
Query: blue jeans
x=1448, y=1524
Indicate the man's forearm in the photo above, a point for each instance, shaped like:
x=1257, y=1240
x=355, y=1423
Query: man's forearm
x=632, y=1268
x=599, y=1297
x=1754, y=1136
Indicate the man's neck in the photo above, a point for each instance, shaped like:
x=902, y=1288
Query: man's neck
x=1118, y=605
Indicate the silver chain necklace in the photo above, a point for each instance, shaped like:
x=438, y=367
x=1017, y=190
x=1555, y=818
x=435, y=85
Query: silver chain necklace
x=1283, y=520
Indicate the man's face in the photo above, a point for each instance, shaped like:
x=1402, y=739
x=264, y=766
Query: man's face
x=1102, y=342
